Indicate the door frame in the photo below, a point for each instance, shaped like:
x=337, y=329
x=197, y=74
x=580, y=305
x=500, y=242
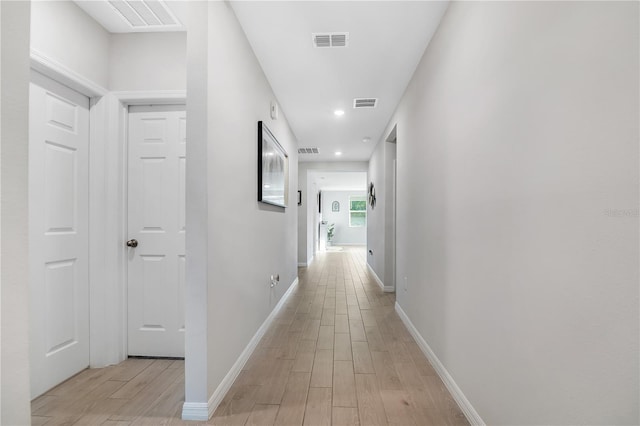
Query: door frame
x=127, y=99
x=108, y=123
x=115, y=118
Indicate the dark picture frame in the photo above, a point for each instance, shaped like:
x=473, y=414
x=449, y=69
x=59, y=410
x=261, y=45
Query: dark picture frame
x=273, y=169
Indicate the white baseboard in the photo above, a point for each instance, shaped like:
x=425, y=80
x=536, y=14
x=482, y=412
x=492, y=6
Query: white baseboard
x=203, y=411
x=385, y=288
x=305, y=265
x=195, y=411
x=470, y=413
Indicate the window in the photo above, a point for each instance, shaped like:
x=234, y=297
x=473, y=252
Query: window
x=357, y=211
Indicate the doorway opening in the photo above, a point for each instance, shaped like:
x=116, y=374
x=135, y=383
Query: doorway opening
x=340, y=214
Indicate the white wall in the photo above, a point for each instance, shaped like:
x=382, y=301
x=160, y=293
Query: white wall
x=244, y=241
x=14, y=125
x=305, y=216
x=389, y=214
x=376, y=247
x=197, y=214
x=518, y=208
x=308, y=212
x=380, y=229
x=63, y=32
x=148, y=61
x=343, y=233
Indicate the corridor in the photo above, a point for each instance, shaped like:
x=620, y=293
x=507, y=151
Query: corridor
x=337, y=353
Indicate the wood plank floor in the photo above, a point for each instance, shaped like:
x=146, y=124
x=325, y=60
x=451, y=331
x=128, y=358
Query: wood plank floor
x=337, y=353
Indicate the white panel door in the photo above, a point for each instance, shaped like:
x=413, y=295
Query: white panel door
x=58, y=232
x=157, y=144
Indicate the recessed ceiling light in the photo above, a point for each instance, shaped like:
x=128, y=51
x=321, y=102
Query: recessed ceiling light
x=266, y=185
x=338, y=153
x=366, y=139
x=338, y=112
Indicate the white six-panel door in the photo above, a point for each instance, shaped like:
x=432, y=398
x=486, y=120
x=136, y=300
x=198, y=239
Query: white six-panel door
x=58, y=232
x=156, y=204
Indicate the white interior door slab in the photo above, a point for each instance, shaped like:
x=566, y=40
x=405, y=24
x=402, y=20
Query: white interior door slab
x=156, y=194
x=58, y=232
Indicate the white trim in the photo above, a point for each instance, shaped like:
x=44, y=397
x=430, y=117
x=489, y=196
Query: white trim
x=120, y=110
x=155, y=97
x=385, y=288
x=470, y=413
x=203, y=412
x=196, y=411
x=65, y=75
x=107, y=290
x=305, y=265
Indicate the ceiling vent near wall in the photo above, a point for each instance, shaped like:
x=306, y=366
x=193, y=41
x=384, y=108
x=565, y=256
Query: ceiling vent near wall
x=365, y=102
x=330, y=39
x=308, y=151
x=145, y=13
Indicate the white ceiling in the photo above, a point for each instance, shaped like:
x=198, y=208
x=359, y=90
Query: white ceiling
x=339, y=181
x=386, y=41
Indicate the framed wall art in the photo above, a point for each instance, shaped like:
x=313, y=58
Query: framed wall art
x=273, y=169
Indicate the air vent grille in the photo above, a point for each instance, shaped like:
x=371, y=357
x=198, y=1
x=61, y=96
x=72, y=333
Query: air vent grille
x=339, y=40
x=148, y=13
x=308, y=151
x=365, y=102
x=330, y=39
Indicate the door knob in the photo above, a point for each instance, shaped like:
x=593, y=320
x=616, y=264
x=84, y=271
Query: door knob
x=132, y=243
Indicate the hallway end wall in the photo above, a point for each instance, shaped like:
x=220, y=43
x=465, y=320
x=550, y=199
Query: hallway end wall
x=308, y=211
x=518, y=208
x=343, y=233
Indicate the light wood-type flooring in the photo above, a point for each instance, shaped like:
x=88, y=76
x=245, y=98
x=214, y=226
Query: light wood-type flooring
x=337, y=353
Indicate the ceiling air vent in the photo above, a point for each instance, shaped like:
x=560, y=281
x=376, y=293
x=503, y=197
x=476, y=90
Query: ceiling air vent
x=148, y=13
x=365, y=102
x=330, y=39
x=308, y=151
